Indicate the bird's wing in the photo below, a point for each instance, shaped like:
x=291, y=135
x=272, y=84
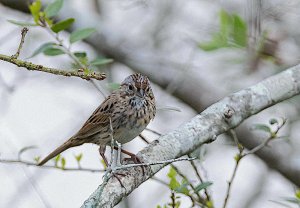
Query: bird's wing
x=99, y=120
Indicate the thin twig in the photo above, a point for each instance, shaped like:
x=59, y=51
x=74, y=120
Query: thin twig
x=23, y=34
x=231, y=181
x=153, y=131
x=199, y=198
x=173, y=200
x=238, y=158
x=63, y=72
x=241, y=154
x=28, y=163
x=152, y=163
x=272, y=136
x=144, y=138
x=200, y=179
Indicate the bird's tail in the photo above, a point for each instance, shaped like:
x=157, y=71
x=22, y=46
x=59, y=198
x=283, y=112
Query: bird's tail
x=72, y=142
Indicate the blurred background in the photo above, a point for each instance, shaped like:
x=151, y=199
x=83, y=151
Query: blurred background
x=195, y=52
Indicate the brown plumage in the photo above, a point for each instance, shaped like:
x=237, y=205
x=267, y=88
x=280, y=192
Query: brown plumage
x=130, y=109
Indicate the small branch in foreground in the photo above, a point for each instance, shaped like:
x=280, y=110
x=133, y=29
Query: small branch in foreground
x=23, y=34
x=208, y=198
x=241, y=154
x=237, y=158
x=35, y=67
x=199, y=200
x=273, y=135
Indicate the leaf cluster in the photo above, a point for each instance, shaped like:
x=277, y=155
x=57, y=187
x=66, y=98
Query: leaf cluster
x=182, y=187
x=232, y=33
x=46, y=18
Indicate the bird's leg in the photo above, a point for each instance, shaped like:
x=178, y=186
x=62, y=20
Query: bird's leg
x=133, y=157
x=119, y=163
x=102, y=149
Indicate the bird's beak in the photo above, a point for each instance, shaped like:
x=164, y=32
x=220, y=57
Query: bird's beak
x=140, y=93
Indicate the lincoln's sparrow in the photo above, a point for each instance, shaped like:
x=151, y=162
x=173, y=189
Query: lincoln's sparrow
x=127, y=110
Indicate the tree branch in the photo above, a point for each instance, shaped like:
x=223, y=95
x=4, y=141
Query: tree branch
x=30, y=66
x=203, y=128
x=63, y=72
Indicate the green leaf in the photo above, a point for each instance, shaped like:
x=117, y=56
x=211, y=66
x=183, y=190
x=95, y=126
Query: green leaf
x=103, y=163
x=203, y=185
x=183, y=188
x=53, y=8
x=49, y=21
x=209, y=204
x=35, y=9
x=23, y=24
x=232, y=33
x=261, y=127
x=172, y=173
x=62, y=25
x=237, y=157
x=82, y=57
x=37, y=159
x=80, y=54
x=56, y=159
x=297, y=194
x=173, y=181
x=42, y=48
x=239, y=31
x=53, y=51
x=63, y=163
x=78, y=157
x=225, y=24
x=81, y=34
x=101, y=61
x=217, y=42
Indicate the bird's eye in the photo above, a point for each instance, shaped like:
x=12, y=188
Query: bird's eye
x=130, y=87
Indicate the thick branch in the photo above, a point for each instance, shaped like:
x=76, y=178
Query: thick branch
x=215, y=120
x=35, y=67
